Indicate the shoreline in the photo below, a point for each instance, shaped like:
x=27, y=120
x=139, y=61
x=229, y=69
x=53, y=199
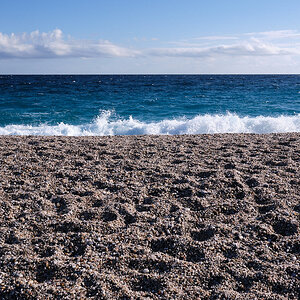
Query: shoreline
x=212, y=216
x=133, y=136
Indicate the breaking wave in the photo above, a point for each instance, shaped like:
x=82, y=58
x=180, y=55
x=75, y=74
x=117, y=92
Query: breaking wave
x=105, y=124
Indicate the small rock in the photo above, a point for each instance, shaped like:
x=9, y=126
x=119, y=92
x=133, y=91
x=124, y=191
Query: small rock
x=252, y=182
x=285, y=227
x=89, y=242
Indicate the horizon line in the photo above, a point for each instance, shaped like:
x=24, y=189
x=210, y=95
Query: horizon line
x=140, y=74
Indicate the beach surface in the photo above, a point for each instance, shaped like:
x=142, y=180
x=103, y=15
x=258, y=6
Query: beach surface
x=150, y=217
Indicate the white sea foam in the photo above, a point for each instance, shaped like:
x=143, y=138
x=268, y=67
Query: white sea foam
x=104, y=124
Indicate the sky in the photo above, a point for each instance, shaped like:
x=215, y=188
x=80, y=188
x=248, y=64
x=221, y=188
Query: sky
x=149, y=37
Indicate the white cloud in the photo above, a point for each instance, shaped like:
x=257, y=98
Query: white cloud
x=254, y=48
x=275, y=34
x=266, y=35
x=248, y=44
x=53, y=45
x=216, y=38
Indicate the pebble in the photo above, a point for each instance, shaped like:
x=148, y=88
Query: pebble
x=146, y=271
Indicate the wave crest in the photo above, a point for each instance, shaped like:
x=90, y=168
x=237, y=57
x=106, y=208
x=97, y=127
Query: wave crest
x=104, y=124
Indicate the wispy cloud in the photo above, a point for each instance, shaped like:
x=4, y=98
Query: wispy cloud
x=244, y=49
x=53, y=45
x=274, y=35
x=216, y=38
x=248, y=44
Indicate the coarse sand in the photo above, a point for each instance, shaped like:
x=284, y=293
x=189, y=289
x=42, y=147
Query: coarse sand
x=150, y=217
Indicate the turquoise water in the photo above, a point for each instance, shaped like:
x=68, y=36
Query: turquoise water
x=148, y=104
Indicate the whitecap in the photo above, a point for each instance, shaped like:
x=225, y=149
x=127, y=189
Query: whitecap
x=107, y=124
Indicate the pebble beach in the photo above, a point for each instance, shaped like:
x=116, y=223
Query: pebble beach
x=150, y=217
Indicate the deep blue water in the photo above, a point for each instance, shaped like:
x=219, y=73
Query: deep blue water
x=148, y=104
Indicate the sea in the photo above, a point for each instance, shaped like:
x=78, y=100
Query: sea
x=100, y=105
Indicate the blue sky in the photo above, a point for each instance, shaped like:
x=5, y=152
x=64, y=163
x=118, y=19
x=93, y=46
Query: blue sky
x=149, y=36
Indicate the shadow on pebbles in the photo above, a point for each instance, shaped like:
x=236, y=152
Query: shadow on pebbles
x=150, y=217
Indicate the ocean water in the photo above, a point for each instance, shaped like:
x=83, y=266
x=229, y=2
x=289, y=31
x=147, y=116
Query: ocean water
x=77, y=105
